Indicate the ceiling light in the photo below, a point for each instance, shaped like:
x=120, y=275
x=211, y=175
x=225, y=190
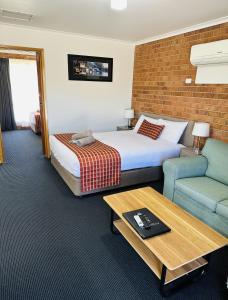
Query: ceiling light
x=118, y=4
x=16, y=15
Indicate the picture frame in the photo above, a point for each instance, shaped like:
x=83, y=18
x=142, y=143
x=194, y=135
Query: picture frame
x=90, y=68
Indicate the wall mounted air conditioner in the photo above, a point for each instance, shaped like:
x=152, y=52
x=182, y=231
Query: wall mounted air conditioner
x=211, y=60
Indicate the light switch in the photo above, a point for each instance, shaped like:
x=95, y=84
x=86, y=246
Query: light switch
x=188, y=80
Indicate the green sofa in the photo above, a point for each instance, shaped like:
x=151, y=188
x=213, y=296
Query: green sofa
x=199, y=184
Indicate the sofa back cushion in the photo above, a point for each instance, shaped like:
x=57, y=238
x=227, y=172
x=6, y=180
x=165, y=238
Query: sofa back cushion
x=216, y=153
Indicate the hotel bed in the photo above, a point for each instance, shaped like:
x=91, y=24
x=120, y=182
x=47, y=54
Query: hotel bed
x=35, y=122
x=141, y=157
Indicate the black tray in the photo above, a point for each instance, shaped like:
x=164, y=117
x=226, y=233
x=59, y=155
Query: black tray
x=157, y=228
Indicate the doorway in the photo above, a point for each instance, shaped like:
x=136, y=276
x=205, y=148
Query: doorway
x=37, y=55
x=25, y=93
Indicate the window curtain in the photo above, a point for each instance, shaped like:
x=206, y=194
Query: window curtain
x=7, y=119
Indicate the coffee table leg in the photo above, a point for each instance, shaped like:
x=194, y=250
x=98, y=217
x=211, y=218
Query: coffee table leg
x=207, y=257
x=112, y=226
x=166, y=289
x=162, y=282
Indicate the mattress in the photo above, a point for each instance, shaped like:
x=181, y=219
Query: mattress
x=136, y=150
x=35, y=120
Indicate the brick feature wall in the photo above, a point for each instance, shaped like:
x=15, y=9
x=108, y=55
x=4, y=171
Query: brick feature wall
x=160, y=70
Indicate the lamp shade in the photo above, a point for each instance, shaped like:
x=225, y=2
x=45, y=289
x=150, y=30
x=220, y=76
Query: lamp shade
x=201, y=129
x=129, y=113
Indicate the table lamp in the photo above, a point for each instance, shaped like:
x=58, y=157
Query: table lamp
x=200, y=129
x=129, y=114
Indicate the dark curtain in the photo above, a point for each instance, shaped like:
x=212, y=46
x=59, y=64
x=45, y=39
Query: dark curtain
x=7, y=120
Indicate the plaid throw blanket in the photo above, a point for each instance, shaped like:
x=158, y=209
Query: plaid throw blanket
x=100, y=164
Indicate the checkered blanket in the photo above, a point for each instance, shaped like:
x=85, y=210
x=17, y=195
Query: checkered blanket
x=100, y=164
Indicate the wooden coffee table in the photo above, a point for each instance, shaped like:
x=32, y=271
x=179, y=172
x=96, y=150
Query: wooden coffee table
x=176, y=256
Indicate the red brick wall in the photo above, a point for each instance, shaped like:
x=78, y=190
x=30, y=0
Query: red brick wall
x=160, y=70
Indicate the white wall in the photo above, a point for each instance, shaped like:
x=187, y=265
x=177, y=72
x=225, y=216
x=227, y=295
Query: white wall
x=76, y=105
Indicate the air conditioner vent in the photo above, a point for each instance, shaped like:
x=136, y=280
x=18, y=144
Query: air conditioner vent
x=16, y=15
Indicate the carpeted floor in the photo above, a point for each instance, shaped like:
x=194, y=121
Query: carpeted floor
x=54, y=246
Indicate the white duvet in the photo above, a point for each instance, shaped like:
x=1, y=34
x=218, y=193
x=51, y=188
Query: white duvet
x=136, y=150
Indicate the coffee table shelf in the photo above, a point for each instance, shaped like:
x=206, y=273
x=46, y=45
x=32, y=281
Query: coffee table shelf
x=150, y=259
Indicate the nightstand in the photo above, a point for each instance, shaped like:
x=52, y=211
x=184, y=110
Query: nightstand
x=119, y=128
x=188, y=152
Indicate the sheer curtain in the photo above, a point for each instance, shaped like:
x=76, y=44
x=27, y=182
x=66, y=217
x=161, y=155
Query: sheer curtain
x=7, y=120
x=25, y=94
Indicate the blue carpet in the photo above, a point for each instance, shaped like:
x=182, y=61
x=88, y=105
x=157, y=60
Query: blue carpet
x=54, y=246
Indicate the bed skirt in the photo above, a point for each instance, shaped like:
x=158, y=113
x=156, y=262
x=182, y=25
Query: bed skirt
x=128, y=178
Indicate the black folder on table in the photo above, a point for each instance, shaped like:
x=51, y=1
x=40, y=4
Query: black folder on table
x=157, y=227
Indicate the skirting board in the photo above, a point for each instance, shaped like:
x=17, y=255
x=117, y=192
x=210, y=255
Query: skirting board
x=128, y=178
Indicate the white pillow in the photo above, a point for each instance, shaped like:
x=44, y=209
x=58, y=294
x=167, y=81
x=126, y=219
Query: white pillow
x=172, y=131
x=141, y=119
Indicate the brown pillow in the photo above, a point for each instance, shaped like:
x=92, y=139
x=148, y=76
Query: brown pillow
x=151, y=130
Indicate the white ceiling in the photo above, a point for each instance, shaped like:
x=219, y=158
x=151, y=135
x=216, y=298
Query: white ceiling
x=142, y=19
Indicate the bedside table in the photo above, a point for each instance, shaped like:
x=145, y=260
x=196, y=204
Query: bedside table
x=188, y=152
x=119, y=128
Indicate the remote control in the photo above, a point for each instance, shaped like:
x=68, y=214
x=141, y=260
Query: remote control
x=138, y=221
x=146, y=221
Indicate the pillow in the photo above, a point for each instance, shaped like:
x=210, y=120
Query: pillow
x=151, y=130
x=140, y=120
x=172, y=131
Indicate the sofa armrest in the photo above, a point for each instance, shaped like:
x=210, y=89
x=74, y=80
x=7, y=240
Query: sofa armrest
x=182, y=167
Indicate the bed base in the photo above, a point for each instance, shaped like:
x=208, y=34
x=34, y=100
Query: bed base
x=128, y=178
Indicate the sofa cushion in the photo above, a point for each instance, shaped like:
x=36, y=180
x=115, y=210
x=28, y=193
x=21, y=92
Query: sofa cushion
x=206, y=215
x=222, y=208
x=204, y=190
x=217, y=154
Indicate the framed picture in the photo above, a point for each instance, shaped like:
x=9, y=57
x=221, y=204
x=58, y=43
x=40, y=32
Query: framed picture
x=90, y=68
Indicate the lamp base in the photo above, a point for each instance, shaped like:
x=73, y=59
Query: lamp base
x=196, y=150
x=196, y=147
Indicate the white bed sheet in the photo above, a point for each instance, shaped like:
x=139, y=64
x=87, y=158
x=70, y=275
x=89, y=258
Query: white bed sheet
x=136, y=150
x=32, y=118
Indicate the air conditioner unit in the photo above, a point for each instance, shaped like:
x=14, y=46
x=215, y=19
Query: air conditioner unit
x=211, y=60
x=210, y=53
